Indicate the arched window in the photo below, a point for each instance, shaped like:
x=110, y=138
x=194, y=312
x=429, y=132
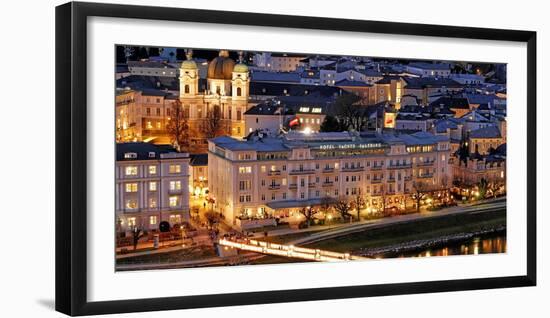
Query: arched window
x=186, y=89
x=239, y=91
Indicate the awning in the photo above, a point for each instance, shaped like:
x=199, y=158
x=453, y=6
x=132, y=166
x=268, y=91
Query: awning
x=293, y=204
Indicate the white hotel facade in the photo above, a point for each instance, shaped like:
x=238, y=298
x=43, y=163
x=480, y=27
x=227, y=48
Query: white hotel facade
x=276, y=176
x=151, y=186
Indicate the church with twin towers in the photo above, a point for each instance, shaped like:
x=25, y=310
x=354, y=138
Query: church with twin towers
x=219, y=108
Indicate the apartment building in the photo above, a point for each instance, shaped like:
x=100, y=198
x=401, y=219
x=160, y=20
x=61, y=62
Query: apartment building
x=151, y=186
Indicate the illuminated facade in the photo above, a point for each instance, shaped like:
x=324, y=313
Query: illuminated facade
x=225, y=97
x=142, y=115
x=151, y=186
x=276, y=176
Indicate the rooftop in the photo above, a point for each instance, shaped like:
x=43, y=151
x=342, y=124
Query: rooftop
x=327, y=141
x=143, y=151
x=486, y=132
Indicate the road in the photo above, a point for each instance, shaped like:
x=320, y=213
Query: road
x=335, y=231
x=369, y=224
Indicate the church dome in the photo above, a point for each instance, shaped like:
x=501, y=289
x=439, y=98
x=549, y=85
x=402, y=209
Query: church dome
x=241, y=68
x=221, y=67
x=188, y=65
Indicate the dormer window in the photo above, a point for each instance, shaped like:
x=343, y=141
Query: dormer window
x=130, y=155
x=152, y=154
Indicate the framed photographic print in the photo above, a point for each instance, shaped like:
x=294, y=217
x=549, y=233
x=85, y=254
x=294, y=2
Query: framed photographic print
x=209, y=158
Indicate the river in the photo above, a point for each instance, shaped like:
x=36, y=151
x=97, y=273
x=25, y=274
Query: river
x=495, y=243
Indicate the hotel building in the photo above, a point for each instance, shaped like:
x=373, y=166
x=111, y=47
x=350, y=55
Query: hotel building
x=273, y=177
x=151, y=186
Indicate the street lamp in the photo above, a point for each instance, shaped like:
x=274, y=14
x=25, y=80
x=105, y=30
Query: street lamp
x=182, y=242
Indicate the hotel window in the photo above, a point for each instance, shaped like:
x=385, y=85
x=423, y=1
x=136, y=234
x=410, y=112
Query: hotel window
x=175, y=185
x=131, y=204
x=273, y=197
x=158, y=111
x=263, y=197
x=302, y=195
x=131, y=187
x=336, y=165
x=247, y=169
x=244, y=185
x=152, y=169
x=152, y=203
x=284, y=195
x=284, y=167
x=131, y=171
x=152, y=186
x=173, y=201
x=131, y=222
x=283, y=181
x=153, y=219
x=174, y=169
x=263, y=168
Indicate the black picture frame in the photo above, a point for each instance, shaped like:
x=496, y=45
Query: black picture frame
x=71, y=157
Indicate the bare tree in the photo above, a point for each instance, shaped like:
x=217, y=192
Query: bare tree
x=212, y=218
x=343, y=207
x=309, y=213
x=178, y=127
x=420, y=190
x=137, y=234
x=213, y=125
x=350, y=115
x=383, y=194
x=358, y=203
x=326, y=204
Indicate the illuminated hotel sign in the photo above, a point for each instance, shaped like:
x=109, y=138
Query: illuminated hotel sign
x=389, y=120
x=350, y=146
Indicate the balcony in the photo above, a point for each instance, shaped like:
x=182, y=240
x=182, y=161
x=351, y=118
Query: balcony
x=274, y=173
x=401, y=166
x=311, y=184
x=327, y=184
x=293, y=186
x=353, y=169
x=175, y=191
x=302, y=171
x=328, y=170
x=425, y=163
x=428, y=175
x=379, y=180
x=408, y=178
x=391, y=180
x=376, y=167
x=274, y=187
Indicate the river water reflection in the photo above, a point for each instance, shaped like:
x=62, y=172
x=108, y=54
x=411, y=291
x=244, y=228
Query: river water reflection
x=473, y=246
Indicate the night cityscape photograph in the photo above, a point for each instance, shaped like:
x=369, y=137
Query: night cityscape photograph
x=228, y=157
